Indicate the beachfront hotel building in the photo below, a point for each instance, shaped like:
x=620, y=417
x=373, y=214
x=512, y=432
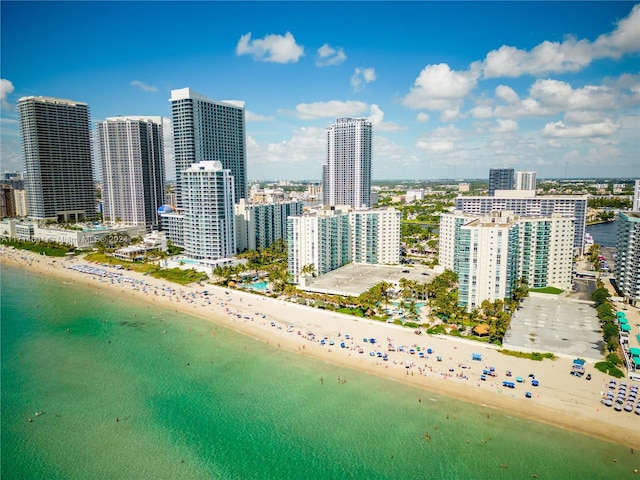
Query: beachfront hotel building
x=375, y=236
x=525, y=180
x=525, y=203
x=490, y=253
x=133, y=175
x=346, y=176
x=209, y=130
x=628, y=256
x=56, y=145
x=500, y=179
x=208, y=225
x=259, y=225
x=331, y=237
x=320, y=239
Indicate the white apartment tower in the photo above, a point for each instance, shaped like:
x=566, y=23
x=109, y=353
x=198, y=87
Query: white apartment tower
x=375, y=236
x=628, y=260
x=56, y=144
x=209, y=130
x=525, y=180
x=133, y=175
x=525, y=203
x=259, y=225
x=208, y=224
x=320, y=239
x=346, y=176
x=636, y=197
x=490, y=253
x=335, y=236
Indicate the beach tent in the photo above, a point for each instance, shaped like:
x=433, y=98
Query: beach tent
x=623, y=320
x=635, y=351
x=625, y=327
x=578, y=367
x=476, y=356
x=621, y=314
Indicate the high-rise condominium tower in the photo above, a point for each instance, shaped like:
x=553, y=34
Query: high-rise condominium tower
x=500, y=179
x=132, y=153
x=208, y=130
x=346, y=176
x=209, y=222
x=56, y=144
x=525, y=180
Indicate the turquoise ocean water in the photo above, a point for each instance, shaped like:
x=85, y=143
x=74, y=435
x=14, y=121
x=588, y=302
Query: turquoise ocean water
x=196, y=401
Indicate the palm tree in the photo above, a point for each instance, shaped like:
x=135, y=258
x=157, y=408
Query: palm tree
x=307, y=270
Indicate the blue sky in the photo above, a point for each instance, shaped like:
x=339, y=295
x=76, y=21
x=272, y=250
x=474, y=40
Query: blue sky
x=452, y=88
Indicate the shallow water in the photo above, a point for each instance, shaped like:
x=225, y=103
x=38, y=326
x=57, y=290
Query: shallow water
x=134, y=392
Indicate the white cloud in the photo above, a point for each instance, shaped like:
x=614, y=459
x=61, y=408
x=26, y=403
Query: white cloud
x=376, y=117
x=441, y=140
x=582, y=116
x=272, y=48
x=624, y=39
x=254, y=117
x=505, y=126
x=481, y=111
x=143, y=86
x=559, y=129
x=422, y=117
x=360, y=77
x=507, y=94
x=559, y=95
x=529, y=107
x=451, y=115
x=571, y=55
x=440, y=88
x=391, y=158
x=331, y=109
x=298, y=157
x=6, y=89
x=329, y=56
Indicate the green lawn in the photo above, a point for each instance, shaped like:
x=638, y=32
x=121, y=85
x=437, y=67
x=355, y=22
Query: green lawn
x=552, y=290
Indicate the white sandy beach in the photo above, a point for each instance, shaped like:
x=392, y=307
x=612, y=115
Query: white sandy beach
x=561, y=399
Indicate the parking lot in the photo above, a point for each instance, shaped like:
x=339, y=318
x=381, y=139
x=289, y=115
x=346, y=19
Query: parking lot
x=558, y=325
x=354, y=279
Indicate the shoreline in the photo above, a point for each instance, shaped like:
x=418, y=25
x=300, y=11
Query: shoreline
x=561, y=400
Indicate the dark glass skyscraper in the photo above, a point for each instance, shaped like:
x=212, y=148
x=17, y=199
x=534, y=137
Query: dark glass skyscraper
x=208, y=130
x=501, y=179
x=56, y=144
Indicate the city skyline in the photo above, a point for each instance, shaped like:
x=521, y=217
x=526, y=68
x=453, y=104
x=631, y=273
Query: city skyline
x=452, y=89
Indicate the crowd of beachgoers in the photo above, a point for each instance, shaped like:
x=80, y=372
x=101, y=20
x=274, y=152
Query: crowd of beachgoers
x=472, y=371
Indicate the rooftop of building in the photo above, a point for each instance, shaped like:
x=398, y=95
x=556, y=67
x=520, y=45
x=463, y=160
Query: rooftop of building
x=631, y=216
x=51, y=100
x=185, y=93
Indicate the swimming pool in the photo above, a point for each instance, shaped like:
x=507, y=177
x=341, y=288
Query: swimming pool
x=262, y=286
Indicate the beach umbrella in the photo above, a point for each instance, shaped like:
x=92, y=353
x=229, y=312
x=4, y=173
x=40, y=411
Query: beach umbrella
x=481, y=329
